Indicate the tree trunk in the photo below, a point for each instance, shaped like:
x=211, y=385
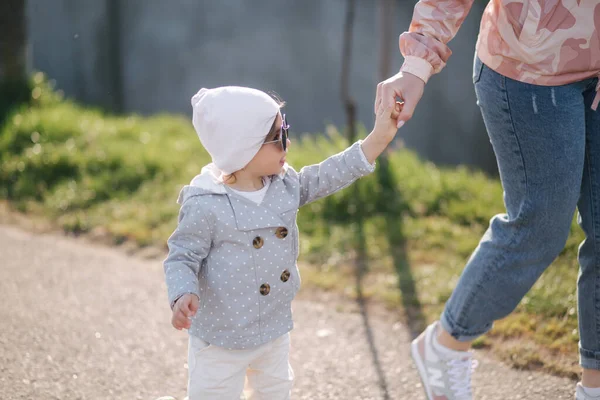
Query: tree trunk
x=13, y=42
x=386, y=19
x=386, y=37
x=115, y=69
x=347, y=100
x=14, y=85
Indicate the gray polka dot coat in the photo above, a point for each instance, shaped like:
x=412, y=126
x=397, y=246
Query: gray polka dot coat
x=239, y=257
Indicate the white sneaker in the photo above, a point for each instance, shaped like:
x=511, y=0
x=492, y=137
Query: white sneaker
x=443, y=378
x=580, y=394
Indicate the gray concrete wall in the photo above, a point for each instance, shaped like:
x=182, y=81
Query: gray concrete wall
x=167, y=50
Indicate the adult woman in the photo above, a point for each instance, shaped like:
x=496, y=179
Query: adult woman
x=536, y=78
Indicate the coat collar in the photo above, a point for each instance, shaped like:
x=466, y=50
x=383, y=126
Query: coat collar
x=248, y=215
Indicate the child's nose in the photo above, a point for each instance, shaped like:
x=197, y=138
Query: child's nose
x=288, y=143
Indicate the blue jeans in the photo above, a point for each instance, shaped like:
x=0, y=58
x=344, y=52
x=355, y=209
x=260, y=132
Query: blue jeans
x=547, y=145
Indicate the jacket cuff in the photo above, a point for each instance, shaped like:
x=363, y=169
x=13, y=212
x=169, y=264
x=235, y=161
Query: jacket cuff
x=417, y=66
x=363, y=157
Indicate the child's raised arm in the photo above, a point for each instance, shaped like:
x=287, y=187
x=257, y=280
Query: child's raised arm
x=342, y=169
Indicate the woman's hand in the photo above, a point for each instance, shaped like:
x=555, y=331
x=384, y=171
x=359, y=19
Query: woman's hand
x=404, y=85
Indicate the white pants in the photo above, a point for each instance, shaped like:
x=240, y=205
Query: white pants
x=260, y=373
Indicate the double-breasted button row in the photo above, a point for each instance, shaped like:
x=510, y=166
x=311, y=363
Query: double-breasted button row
x=280, y=232
x=258, y=242
x=265, y=288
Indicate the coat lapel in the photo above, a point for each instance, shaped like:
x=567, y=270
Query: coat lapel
x=281, y=197
x=249, y=215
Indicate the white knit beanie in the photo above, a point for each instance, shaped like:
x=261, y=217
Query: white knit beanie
x=232, y=123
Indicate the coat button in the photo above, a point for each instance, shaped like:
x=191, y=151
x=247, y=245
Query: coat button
x=281, y=232
x=285, y=276
x=258, y=242
x=265, y=288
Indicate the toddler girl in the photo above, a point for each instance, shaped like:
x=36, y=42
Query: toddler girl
x=231, y=271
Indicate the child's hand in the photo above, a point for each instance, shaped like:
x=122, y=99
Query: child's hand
x=383, y=132
x=386, y=121
x=185, y=308
x=397, y=110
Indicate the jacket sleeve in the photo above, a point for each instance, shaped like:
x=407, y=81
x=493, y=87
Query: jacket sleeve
x=434, y=24
x=333, y=174
x=188, y=247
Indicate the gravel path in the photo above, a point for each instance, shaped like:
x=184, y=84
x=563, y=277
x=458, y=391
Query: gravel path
x=79, y=321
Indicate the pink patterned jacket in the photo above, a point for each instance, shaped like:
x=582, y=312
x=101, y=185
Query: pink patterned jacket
x=543, y=42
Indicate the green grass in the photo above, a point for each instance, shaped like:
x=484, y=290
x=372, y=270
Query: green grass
x=88, y=171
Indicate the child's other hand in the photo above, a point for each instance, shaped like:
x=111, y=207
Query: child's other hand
x=386, y=121
x=185, y=308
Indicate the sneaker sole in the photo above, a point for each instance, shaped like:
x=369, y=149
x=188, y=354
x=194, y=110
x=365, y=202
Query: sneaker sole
x=414, y=353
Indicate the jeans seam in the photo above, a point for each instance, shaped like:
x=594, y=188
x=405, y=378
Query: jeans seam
x=591, y=355
x=514, y=131
x=512, y=240
x=484, y=279
x=593, y=217
x=594, y=239
x=455, y=324
x=462, y=330
x=523, y=215
x=486, y=275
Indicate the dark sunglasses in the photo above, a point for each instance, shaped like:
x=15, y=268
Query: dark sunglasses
x=283, y=134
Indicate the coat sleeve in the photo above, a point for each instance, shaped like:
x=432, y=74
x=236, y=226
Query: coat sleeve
x=188, y=247
x=434, y=24
x=333, y=174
